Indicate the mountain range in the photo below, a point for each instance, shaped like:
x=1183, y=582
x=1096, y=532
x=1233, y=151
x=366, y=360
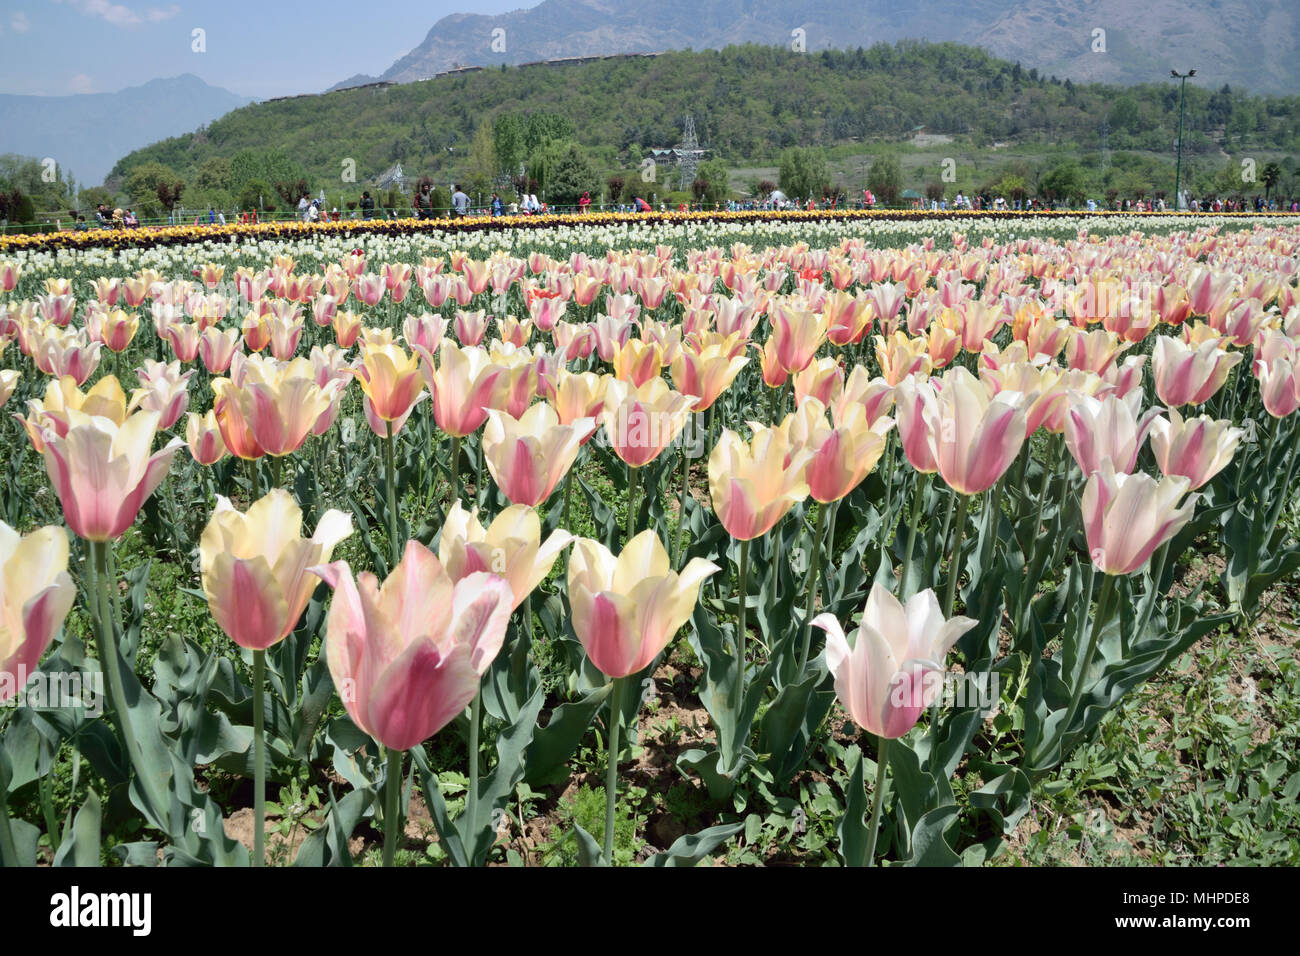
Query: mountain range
x=1243, y=43
x=86, y=133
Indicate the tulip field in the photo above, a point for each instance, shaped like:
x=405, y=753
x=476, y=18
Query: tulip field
x=701, y=540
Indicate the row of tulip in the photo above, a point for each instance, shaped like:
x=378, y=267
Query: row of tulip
x=1033, y=338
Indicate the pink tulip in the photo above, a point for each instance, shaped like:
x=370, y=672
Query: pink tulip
x=103, y=472
x=470, y=326
x=370, y=289
x=217, y=348
x=425, y=330
x=1094, y=351
x=797, y=335
x=1126, y=517
x=184, y=339
x=203, y=436
x=436, y=290
x=323, y=309
x=57, y=309
x=973, y=438
x=464, y=384
x=546, y=312
x=1198, y=448
x=67, y=354
x=887, y=678
x=627, y=609
x=1279, y=387
x=36, y=594
x=254, y=566
x=874, y=396
x=1210, y=292
x=165, y=390
x=528, y=456
x=1190, y=376
x=1110, y=427
x=407, y=656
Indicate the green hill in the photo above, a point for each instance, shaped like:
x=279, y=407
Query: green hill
x=749, y=103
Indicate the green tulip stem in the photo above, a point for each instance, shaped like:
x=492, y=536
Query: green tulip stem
x=1049, y=467
x=877, y=801
x=259, y=759
x=814, y=567
x=1157, y=572
x=633, y=474
x=480, y=466
x=954, y=563
x=1098, y=622
x=108, y=659
x=947, y=522
x=743, y=574
x=475, y=719
x=390, y=481
x=392, y=802
x=8, y=852
x=568, y=496
x=453, y=494
x=904, y=584
x=611, y=771
x=686, y=472
x=887, y=474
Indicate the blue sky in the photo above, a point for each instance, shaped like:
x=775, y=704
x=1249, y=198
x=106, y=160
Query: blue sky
x=255, y=48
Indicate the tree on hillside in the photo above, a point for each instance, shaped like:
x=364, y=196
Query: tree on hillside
x=92, y=197
x=480, y=177
x=153, y=189
x=291, y=191
x=1269, y=177
x=213, y=175
x=542, y=128
x=508, y=143
x=803, y=171
x=267, y=165
x=571, y=176
x=714, y=176
x=30, y=176
x=1064, y=181
x=16, y=206
x=1011, y=187
x=885, y=179
x=254, y=194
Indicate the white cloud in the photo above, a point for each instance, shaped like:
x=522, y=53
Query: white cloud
x=80, y=83
x=19, y=22
x=120, y=15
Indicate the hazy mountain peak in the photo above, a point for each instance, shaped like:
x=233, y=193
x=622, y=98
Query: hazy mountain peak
x=1247, y=43
x=85, y=133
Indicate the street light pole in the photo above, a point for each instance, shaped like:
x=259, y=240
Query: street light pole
x=1182, y=101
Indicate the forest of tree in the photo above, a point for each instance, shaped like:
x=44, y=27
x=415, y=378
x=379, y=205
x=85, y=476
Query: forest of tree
x=498, y=128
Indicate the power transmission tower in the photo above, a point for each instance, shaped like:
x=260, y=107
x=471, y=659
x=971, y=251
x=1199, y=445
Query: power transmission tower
x=688, y=153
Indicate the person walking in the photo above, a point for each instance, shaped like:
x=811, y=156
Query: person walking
x=460, y=203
